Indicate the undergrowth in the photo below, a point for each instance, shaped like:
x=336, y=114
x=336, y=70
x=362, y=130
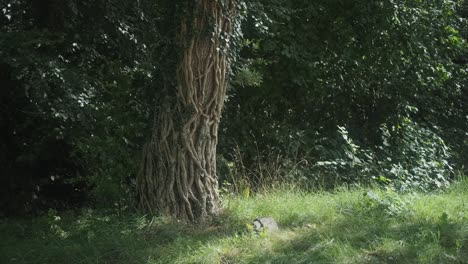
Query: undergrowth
x=349, y=225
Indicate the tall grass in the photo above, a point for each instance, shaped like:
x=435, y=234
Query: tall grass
x=349, y=225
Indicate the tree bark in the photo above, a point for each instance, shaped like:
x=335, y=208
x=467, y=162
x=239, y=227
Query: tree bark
x=178, y=175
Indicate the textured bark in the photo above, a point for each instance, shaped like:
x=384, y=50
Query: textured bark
x=178, y=176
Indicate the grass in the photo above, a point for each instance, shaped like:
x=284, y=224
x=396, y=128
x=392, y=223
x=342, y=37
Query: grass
x=355, y=225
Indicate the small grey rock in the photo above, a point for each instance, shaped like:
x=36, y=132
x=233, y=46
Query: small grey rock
x=262, y=223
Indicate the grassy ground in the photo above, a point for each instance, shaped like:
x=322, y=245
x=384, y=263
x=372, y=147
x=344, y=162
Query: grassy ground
x=346, y=226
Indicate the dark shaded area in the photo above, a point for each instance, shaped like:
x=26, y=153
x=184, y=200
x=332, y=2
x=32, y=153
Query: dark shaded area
x=69, y=118
x=36, y=163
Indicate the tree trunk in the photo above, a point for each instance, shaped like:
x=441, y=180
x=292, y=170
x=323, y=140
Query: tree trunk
x=178, y=176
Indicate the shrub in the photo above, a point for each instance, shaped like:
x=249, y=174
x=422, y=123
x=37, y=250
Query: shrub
x=409, y=157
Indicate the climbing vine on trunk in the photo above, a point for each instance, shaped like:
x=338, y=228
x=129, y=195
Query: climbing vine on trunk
x=178, y=174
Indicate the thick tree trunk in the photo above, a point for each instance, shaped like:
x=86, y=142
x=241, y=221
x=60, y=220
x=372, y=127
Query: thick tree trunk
x=178, y=176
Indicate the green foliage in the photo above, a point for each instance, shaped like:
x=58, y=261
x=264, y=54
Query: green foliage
x=87, y=81
x=409, y=157
x=357, y=65
x=389, y=204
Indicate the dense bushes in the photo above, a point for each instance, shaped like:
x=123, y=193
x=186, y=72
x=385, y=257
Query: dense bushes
x=410, y=157
x=386, y=72
x=78, y=73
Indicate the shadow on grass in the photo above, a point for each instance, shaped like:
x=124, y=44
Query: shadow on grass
x=357, y=239
x=85, y=239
